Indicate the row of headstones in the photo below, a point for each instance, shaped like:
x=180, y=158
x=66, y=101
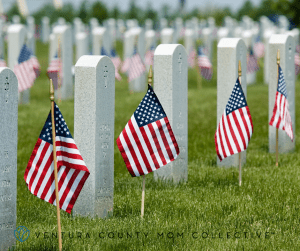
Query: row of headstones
x=94, y=109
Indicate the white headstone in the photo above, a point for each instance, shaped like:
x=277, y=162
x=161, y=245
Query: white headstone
x=230, y=51
x=222, y=33
x=148, y=24
x=189, y=40
x=61, y=21
x=178, y=29
x=286, y=45
x=94, y=108
x=295, y=34
x=247, y=37
x=170, y=86
x=138, y=34
x=111, y=26
x=101, y=39
x=167, y=36
x=16, y=19
x=8, y=156
x=82, y=44
x=45, y=29
x=120, y=28
x=267, y=36
x=208, y=41
x=64, y=35
x=163, y=23
x=16, y=39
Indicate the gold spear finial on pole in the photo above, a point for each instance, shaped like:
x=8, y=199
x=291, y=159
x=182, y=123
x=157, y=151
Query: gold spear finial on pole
x=240, y=70
x=51, y=91
x=150, y=76
x=278, y=57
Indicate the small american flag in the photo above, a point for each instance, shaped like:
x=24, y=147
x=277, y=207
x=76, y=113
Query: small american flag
x=136, y=66
x=259, y=49
x=36, y=65
x=252, y=64
x=204, y=64
x=147, y=142
x=54, y=71
x=149, y=56
x=281, y=117
x=125, y=65
x=235, y=127
x=24, y=69
x=192, y=57
x=71, y=169
x=117, y=62
x=297, y=64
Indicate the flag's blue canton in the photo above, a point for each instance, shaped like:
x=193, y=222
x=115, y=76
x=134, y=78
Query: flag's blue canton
x=61, y=127
x=25, y=54
x=113, y=53
x=152, y=48
x=237, y=99
x=251, y=51
x=200, y=51
x=135, y=50
x=103, y=51
x=149, y=110
x=281, y=83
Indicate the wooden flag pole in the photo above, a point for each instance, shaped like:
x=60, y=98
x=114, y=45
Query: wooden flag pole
x=55, y=164
x=150, y=81
x=240, y=159
x=278, y=62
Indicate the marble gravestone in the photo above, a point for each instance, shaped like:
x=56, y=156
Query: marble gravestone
x=16, y=19
x=16, y=39
x=167, y=36
x=170, y=86
x=31, y=33
x=230, y=51
x=267, y=35
x=8, y=157
x=45, y=29
x=189, y=41
x=208, y=42
x=63, y=34
x=247, y=37
x=81, y=44
x=94, y=108
x=286, y=45
x=101, y=39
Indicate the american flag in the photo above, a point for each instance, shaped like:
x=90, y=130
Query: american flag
x=71, y=169
x=192, y=57
x=36, y=65
x=204, y=64
x=136, y=66
x=281, y=117
x=297, y=64
x=117, y=62
x=259, y=49
x=252, y=63
x=125, y=65
x=147, y=142
x=235, y=127
x=149, y=56
x=24, y=69
x=54, y=71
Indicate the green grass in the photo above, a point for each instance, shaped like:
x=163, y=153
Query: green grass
x=262, y=214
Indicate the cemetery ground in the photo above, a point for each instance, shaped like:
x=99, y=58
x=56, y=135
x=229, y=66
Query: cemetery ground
x=209, y=212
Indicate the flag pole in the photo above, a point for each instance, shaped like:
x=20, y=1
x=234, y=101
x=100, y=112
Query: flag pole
x=240, y=159
x=278, y=62
x=55, y=164
x=150, y=81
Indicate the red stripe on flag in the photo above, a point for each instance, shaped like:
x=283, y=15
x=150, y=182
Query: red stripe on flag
x=225, y=134
x=172, y=135
x=237, y=124
x=124, y=155
x=232, y=133
x=164, y=139
x=245, y=122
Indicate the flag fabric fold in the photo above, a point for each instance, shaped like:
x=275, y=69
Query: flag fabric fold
x=24, y=69
x=72, y=171
x=235, y=127
x=281, y=117
x=147, y=142
x=204, y=64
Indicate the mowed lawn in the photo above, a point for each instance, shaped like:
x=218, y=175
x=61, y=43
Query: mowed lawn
x=209, y=212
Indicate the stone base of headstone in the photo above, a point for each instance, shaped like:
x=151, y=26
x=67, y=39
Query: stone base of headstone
x=24, y=97
x=137, y=85
x=251, y=78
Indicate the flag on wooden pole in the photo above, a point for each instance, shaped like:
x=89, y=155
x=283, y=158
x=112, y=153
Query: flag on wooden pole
x=116, y=60
x=204, y=64
x=72, y=171
x=252, y=63
x=147, y=142
x=149, y=56
x=24, y=70
x=136, y=66
x=235, y=127
x=281, y=117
